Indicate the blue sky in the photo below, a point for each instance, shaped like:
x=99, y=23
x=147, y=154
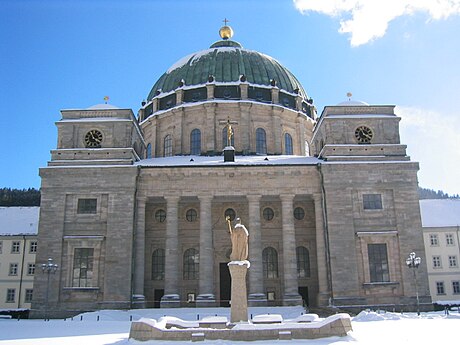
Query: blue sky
x=70, y=54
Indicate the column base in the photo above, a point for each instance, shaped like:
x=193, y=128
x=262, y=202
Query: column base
x=257, y=300
x=138, y=302
x=170, y=301
x=292, y=299
x=206, y=300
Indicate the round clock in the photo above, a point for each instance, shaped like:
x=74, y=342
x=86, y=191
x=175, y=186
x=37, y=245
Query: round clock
x=93, y=138
x=363, y=134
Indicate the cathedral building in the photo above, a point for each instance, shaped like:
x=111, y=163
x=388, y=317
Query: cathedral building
x=133, y=207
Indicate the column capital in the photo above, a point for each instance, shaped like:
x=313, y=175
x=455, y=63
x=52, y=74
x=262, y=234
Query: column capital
x=287, y=197
x=253, y=197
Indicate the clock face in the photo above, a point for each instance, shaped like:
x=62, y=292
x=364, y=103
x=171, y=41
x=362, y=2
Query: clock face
x=93, y=138
x=363, y=134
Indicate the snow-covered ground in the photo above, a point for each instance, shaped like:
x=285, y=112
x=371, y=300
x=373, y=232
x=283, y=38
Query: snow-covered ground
x=113, y=328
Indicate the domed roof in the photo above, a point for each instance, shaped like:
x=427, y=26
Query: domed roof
x=226, y=61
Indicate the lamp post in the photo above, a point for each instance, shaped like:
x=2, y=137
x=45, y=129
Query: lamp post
x=413, y=262
x=48, y=268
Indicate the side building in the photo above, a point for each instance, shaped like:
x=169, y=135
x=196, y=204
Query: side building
x=18, y=247
x=441, y=234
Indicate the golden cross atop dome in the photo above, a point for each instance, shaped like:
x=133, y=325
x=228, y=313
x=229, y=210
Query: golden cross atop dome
x=349, y=94
x=226, y=31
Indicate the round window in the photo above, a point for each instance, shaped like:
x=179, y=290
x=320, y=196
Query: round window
x=299, y=213
x=268, y=213
x=191, y=215
x=160, y=216
x=230, y=212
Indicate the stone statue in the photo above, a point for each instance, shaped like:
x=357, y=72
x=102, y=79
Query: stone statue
x=239, y=235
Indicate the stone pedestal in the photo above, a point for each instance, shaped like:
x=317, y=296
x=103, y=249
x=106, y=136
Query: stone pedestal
x=229, y=154
x=239, y=298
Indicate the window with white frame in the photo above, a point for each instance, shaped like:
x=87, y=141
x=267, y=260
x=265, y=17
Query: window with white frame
x=452, y=261
x=434, y=240
x=30, y=269
x=456, y=287
x=10, y=295
x=450, y=239
x=15, y=247
x=28, y=296
x=13, y=269
x=33, y=247
x=440, y=290
x=436, y=261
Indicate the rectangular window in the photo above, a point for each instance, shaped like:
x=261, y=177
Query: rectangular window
x=13, y=270
x=440, y=288
x=271, y=295
x=82, y=267
x=450, y=239
x=28, y=297
x=15, y=246
x=10, y=295
x=378, y=262
x=372, y=201
x=87, y=206
x=33, y=247
x=452, y=261
x=436, y=261
x=30, y=269
x=456, y=287
x=434, y=240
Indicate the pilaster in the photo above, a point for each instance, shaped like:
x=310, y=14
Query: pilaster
x=139, y=252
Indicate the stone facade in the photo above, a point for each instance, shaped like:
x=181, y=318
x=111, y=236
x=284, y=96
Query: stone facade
x=134, y=220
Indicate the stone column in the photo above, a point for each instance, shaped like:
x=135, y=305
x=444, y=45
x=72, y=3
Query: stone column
x=171, y=297
x=139, y=255
x=256, y=289
x=206, y=297
x=323, y=293
x=291, y=293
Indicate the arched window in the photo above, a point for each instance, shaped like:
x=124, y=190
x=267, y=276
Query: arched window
x=261, y=141
x=158, y=264
x=303, y=262
x=307, y=149
x=195, y=142
x=288, y=144
x=270, y=262
x=167, y=146
x=149, y=151
x=191, y=264
x=224, y=137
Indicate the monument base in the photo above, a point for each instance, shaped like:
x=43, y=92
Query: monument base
x=239, y=301
x=229, y=154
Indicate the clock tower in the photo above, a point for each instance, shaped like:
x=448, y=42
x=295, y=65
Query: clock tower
x=356, y=131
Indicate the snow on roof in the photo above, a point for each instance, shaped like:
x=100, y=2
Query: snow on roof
x=19, y=220
x=219, y=161
x=352, y=103
x=102, y=106
x=440, y=212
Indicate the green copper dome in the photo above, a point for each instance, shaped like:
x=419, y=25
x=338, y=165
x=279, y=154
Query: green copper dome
x=224, y=62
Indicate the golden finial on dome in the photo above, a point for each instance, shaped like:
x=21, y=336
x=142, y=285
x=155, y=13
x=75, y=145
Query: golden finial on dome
x=226, y=31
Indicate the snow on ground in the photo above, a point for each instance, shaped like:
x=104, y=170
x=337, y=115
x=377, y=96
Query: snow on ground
x=113, y=328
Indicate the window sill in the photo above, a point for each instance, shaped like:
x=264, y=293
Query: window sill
x=369, y=285
x=75, y=288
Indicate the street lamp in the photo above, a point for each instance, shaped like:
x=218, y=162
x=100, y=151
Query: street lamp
x=48, y=268
x=413, y=262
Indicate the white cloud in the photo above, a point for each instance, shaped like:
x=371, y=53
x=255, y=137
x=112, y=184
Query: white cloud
x=432, y=139
x=367, y=20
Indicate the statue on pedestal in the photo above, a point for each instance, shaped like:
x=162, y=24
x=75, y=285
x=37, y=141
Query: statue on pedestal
x=239, y=236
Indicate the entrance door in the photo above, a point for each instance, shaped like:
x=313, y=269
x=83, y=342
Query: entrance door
x=225, y=284
x=157, y=294
x=303, y=291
